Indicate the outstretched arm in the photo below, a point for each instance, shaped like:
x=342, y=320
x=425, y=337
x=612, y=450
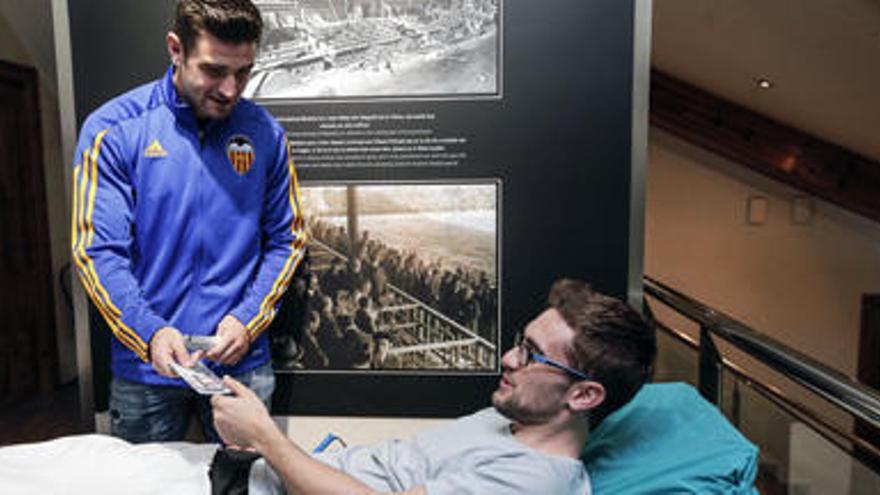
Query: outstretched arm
x=242, y=420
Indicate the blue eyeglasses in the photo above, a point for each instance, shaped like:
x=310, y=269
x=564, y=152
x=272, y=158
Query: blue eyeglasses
x=527, y=356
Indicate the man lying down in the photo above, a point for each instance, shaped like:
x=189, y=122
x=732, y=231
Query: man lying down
x=582, y=358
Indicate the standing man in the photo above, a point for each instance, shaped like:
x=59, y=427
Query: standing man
x=186, y=221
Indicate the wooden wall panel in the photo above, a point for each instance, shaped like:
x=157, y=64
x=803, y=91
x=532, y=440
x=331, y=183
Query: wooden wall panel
x=798, y=159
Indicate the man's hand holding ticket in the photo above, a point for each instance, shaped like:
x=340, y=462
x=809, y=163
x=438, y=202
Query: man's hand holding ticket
x=201, y=379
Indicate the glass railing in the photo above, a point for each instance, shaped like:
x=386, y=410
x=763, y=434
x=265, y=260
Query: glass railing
x=800, y=413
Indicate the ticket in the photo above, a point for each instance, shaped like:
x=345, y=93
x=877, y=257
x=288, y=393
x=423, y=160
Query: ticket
x=201, y=379
x=200, y=342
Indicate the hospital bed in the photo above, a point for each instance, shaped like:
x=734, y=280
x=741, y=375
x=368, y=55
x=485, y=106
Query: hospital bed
x=667, y=440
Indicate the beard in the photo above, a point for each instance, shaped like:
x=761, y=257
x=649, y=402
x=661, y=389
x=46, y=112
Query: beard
x=520, y=411
x=204, y=101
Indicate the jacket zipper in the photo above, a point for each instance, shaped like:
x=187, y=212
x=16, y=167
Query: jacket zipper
x=200, y=250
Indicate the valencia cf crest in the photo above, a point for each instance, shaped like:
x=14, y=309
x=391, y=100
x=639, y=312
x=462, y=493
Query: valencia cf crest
x=240, y=151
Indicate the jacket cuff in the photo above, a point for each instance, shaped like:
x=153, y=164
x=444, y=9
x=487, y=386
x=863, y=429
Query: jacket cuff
x=149, y=325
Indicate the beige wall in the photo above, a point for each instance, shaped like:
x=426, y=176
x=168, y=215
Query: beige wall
x=801, y=284
x=26, y=38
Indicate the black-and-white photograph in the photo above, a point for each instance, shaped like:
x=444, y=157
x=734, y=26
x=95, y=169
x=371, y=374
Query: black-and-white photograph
x=326, y=49
x=399, y=277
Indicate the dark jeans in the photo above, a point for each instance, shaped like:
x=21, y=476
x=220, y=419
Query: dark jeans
x=142, y=413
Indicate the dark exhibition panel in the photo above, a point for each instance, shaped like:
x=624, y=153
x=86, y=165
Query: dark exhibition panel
x=483, y=145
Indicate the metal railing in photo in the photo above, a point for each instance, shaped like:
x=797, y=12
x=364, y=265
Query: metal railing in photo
x=435, y=334
x=424, y=337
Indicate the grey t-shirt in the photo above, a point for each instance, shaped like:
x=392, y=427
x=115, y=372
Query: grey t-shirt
x=475, y=454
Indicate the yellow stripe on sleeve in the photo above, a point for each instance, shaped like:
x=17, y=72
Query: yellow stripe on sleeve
x=75, y=208
x=99, y=295
x=79, y=195
x=85, y=277
x=267, y=307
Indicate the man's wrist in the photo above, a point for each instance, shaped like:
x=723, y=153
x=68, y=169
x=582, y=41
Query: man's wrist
x=154, y=324
x=236, y=323
x=238, y=314
x=269, y=437
x=153, y=337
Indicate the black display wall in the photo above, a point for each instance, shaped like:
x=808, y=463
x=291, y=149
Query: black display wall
x=527, y=103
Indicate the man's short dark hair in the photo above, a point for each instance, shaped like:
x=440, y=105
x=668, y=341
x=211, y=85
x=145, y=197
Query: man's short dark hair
x=232, y=21
x=612, y=343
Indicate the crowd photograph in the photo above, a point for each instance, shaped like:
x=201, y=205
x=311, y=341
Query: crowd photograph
x=413, y=286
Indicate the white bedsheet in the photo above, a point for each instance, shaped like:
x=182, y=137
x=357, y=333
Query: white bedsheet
x=99, y=464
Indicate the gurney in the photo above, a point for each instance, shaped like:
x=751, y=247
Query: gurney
x=666, y=440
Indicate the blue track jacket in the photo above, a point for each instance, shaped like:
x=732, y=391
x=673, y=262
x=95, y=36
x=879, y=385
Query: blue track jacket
x=177, y=226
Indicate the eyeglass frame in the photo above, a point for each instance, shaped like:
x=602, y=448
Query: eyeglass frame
x=535, y=357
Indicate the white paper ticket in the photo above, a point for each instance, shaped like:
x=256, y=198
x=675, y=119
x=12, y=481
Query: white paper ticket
x=201, y=379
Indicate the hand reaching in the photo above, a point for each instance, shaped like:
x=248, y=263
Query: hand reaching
x=241, y=419
x=233, y=344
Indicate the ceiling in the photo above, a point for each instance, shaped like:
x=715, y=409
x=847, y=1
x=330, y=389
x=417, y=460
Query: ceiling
x=822, y=56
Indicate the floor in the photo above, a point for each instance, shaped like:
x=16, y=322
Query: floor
x=41, y=418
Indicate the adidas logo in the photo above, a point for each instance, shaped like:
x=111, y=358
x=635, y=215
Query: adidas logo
x=155, y=150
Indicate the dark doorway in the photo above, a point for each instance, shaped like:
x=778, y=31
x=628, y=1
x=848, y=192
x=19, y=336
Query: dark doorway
x=28, y=356
x=869, y=362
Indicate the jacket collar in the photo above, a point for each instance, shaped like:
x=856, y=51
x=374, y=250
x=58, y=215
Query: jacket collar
x=182, y=110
